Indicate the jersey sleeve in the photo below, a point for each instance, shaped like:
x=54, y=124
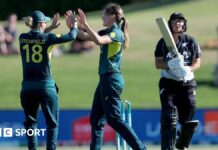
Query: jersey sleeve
x=115, y=36
x=62, y=38
x=159, y=51
x=102, y=32
x=196, y=48
x=21, y=36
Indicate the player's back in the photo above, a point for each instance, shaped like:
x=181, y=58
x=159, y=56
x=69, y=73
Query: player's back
x=35, y=53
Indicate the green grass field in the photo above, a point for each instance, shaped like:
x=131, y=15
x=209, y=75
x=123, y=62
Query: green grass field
x=77, y=76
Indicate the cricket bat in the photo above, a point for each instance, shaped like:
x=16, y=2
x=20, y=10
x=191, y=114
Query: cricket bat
x=167, y=35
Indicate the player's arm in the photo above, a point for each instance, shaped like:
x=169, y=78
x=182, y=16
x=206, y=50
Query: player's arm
x=80, y=34
x=196, y=64
x=197, y=59
x=62, y=38
x=105, y=39
x=83, y=35
x=176, y=63
x=71, y=35
x=55, y=23
x=160, y=63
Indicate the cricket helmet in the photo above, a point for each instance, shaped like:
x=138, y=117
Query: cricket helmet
x=177, y=15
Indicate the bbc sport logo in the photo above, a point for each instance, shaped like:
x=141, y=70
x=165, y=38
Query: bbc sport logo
x=6, y=132
x=10, y=132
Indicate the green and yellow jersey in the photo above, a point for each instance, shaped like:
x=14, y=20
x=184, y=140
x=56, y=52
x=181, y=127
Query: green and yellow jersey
x=36, y=48
x=111, y=54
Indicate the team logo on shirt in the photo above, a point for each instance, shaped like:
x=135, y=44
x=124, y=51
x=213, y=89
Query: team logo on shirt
x=186, y=54
x=184, y=44
x=169, y=56
x=58, y=35
x=112, y=34
x=106, y=98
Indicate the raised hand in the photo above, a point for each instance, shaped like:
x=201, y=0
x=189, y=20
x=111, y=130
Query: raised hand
x=82, y=17
x=71, y=19
x=68, y=20
x=56, y=21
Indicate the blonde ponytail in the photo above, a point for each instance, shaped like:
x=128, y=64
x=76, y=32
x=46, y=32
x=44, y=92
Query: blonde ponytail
x=124, y=28
x=28, y=21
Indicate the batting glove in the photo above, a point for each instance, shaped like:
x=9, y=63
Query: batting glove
x=176, y=62
x=180, y=72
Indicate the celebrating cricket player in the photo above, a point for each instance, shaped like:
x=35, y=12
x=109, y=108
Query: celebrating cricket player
x=38, y=87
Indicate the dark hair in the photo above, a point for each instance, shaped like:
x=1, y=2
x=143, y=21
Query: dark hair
x=115, y=9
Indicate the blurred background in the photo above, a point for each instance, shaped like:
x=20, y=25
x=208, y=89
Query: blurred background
x=75, y=64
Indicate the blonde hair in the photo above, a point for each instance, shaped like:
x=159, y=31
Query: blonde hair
x=115, y=9
x=28, y=21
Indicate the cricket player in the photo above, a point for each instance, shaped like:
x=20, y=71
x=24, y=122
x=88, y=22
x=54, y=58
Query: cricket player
x=107, y=103
x=177, y=85
x=38, y=87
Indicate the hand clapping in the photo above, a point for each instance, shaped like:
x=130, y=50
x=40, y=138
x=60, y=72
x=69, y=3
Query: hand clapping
x=71, y=19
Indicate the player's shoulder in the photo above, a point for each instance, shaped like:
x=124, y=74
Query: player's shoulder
x=161, y=41
x=32, y=34
x=187, y=37
x=23, y=35
x=103, y=32
x=161, y=44
x=53, y=35
x=27, y=35
x=116, y=33
x=116, y=29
